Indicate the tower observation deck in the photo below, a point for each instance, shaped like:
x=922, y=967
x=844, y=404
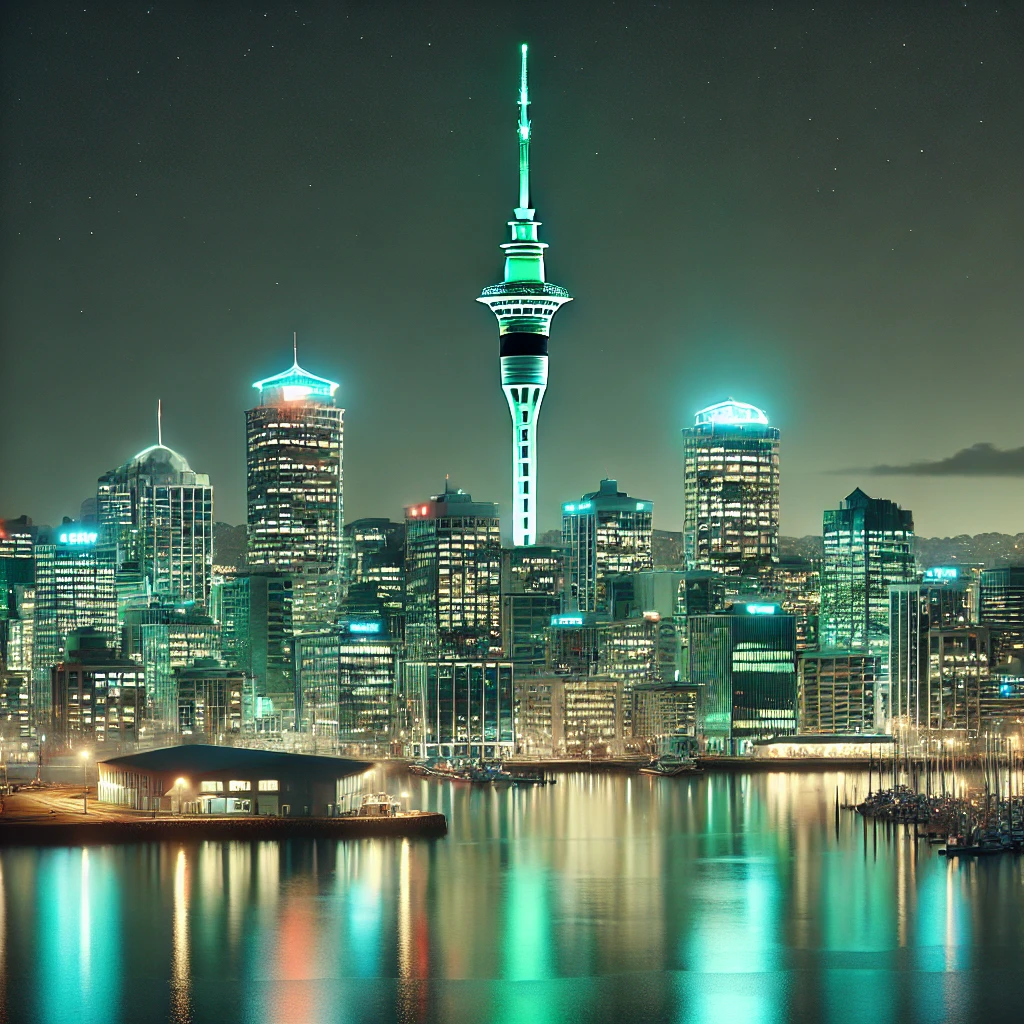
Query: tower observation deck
x=524, y=304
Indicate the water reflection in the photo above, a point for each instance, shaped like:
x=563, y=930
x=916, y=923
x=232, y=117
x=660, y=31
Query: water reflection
x=600, y=898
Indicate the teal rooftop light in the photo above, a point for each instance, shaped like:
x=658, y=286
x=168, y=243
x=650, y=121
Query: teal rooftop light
x=297, y=383
x=732, y=414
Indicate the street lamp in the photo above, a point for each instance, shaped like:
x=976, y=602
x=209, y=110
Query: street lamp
x=84, y=755
x=179, y=785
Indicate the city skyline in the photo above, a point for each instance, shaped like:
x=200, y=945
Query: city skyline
x=693, y=219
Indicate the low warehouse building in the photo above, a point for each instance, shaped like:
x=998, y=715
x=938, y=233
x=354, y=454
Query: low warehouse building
x=203, y=779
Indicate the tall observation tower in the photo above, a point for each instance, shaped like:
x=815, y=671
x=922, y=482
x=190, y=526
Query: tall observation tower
x=524, y=304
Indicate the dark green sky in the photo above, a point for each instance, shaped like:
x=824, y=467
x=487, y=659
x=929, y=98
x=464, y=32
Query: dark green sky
x=817, y=209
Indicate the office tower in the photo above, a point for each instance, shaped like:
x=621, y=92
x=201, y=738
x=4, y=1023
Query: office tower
x=837, y=691
x=453, y=578
x=917, y=612
x=97, y=698
x=665, y=717
x=604, y=532
x=17, y=542
x=538, y=708
x=176, y=640
x=295, y=488
x=74, y=573
x=958, y=677
x=1001, y=608
x=743, y=661
x=376, y=549
x=159, y=515
x=797, y=584
x=209, y=696
x=21, y=627
x=463, y=708
x=15, y=723
x=345, y=683
x=254, y=610
x=657, y=595
x=731, y=491
x=524, y=304
x=869, y=547
x=532, y=580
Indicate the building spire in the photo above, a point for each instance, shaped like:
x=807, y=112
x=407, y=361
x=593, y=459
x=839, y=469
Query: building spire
x=160, y=422
x=295, y=347
x=524, y=212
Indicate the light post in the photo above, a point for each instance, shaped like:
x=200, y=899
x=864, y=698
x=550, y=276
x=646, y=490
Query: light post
x=84, y=755
x=179, y=785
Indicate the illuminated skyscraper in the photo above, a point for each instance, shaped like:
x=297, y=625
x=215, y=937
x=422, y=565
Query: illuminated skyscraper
x=453, y=578
x=605, y=532
x=1001, y=608
x=295, y=484
x=869, y=547
x=74, y=573
x=731, y=491
x=159, y=515
x=524, y=304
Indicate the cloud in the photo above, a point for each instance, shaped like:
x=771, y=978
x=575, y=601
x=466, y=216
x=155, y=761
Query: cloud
x=981, y=459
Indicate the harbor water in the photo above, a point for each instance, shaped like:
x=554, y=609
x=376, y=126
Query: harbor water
x=605, y=897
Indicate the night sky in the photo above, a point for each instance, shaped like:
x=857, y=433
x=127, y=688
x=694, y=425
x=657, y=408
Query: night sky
x=817, y=209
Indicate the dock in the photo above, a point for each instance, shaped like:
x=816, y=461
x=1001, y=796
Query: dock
x=55, y=817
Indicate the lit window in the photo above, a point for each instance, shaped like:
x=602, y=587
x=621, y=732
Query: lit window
x=239, y=786
x=211, y=787
x=269, y=786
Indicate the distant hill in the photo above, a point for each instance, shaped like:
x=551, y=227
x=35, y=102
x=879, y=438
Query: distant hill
x=988, y=549
x=229, y=545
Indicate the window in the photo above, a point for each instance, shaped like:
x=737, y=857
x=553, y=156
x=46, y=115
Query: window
x=211, y=787
x=239, y=786
x=269, y=786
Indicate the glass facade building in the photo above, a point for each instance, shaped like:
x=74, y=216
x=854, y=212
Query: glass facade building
x=376, y=550
x=731, y=491
x=837, y=691
x=464, y=708
x=1001, y=609
x=74, y=572
x=346, y=681
x=295, y=490
x=743, y=662
x=868, y=547
x=158, y=514
x=453, y=578
x=209, y=701
x=605, y=532
x=533, y=580
x=916, y=610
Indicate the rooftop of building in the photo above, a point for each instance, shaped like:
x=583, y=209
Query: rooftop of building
x=452, y=502
x=732, y=414
x=607, y=497
x=203, y=759
x=297, y=384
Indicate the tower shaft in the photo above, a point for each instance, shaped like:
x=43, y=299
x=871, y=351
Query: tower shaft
x=524, y=304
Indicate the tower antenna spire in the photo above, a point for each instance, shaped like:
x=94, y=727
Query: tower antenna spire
x=524, y=145
x=295, y=346
x=160, y=422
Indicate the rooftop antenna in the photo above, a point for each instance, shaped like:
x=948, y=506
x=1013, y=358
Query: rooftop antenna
x=159, y=423
x=295, y=346
x=524, y=212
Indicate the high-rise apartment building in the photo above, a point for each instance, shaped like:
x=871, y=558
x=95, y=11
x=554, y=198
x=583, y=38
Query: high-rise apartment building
x=453, y=578
x=1001, y=609
x=524, y=303
x=158, y=514
x=74, y=572
x=731, y=491
x=603, y=533
x=869, y=547
x=743, y=661
x=295, y=489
